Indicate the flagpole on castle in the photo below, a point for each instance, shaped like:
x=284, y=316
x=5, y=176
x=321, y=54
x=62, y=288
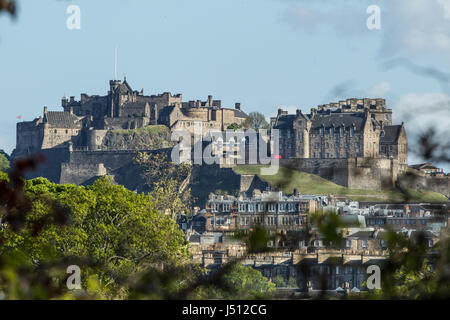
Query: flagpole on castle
x=115, y=63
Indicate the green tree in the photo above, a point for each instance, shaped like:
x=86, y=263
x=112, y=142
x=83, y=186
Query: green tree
x=240, y=283
x=113, y=232
x=233, y=126
x=255, y=121
x=279, y=281
x=4, y=161
x=167, y=181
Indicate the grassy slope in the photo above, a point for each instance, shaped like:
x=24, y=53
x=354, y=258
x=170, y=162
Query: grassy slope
x=288, y=180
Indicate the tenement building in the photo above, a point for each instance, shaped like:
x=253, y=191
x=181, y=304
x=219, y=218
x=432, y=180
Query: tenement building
x=271, y=209
x=355, y=128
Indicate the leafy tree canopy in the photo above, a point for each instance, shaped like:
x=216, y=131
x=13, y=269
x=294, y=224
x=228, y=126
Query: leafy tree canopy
x=4, y=161
x=255, y=121
x=113, y=230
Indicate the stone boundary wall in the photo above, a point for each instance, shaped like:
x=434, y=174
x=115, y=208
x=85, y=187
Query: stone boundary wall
x=355, y=173
x=415, y=179
x=81, y=173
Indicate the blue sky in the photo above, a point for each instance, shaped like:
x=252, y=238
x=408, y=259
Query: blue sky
x=262, y=53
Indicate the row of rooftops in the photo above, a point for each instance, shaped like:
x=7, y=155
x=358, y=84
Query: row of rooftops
x=265, y=196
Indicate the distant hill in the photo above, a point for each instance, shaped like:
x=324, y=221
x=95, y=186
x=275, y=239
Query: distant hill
x=287, y=180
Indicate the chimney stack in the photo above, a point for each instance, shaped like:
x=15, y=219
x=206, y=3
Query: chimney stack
x=45, y=109
x=237, y=106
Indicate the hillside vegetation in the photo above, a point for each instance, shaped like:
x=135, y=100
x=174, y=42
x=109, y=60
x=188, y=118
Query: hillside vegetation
x=287, y=180
x=145, y=138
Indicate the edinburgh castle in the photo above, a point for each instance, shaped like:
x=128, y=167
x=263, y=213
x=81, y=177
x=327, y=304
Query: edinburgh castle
x=100, y=135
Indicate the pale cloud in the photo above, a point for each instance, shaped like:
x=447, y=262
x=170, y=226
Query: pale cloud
x=407, y=26
x=422, y=112
x=379, y=90
x=311, y=16
x=417, y=26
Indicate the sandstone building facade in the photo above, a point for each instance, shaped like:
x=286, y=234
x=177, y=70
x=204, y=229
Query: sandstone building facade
x=355, y=128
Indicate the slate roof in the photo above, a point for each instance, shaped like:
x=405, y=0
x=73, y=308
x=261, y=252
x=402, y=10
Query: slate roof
x=141, y=104
x=240, y=114
x=338, y=120
x=285, y=121
x=426, y=165
x=125, y=88
x=61, y=119
x=166, y=111
x=362, y=234
x=391, y=134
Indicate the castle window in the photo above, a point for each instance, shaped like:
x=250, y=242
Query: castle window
x=382, y=133
x=365, y=243
x=390, y=148
x=342, y=132
x=56, y=131
x=67, y=131
x=288, y=133
x=327, y=155
x=321, y=132
x=352, y=132
x=327, y=145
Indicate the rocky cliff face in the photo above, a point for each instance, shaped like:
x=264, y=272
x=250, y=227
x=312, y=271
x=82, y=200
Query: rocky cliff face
x=146, y=138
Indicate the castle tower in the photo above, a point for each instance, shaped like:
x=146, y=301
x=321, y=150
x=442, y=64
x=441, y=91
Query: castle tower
x=113, y=98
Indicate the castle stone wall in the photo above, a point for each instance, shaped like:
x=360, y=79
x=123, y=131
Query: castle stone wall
x=81, y=173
